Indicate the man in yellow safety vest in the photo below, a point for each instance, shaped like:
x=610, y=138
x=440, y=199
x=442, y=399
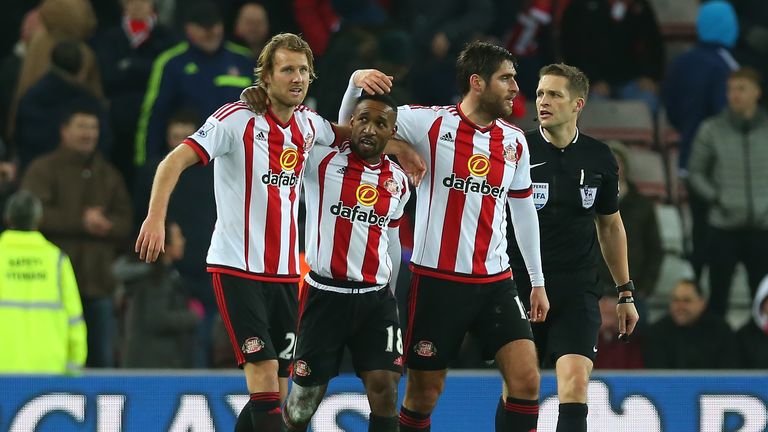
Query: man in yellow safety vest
x=41, y=317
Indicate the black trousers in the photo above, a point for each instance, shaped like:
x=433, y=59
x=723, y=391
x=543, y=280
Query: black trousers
x=726, y=249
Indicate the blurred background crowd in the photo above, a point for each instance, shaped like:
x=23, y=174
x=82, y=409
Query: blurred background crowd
x=94, y=93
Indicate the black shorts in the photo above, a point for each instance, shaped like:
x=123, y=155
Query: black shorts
x=367, y=323
x=260, y=318
x=573, y=322
x=441, y=312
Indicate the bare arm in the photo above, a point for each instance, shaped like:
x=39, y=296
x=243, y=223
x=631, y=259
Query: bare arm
x=151, y=240
x=613, y=243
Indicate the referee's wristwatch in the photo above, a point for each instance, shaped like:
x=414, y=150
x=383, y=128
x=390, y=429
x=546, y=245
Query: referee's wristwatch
x=629, y=286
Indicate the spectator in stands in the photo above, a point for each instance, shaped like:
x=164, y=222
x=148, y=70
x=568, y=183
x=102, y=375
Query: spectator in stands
x=644, y=248
x=33, y=272
x=729, y=171
x=63, y=20
x=125, y=53
x=439, y=30
x=42, y=107
x=10, y=67
x=626, y=29
x=612, y=353
x=160, y=321
x=252, y=27
x=87, y=214
x=752, y=46
x=694, y=89
x=690, y=338
x=753, y=336
x=533, y=39
x=194, y=190
x=200, y=74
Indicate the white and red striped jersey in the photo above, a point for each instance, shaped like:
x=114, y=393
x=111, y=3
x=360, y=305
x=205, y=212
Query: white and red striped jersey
x=460, y=225
x=259, y=164
x=351, y=204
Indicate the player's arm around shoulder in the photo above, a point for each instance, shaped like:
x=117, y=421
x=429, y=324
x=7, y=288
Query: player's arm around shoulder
x=151, y=239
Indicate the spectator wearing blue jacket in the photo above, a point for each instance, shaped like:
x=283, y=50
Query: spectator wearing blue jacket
x=693, y=90
x=200, y=74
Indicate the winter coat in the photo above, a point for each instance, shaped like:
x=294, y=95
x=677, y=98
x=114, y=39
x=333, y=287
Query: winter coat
x=68, y=182
x=159, y=328
x=729, y=169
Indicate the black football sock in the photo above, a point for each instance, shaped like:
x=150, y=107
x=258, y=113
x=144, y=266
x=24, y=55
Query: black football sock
x=519, y=415
x=411, y=421
x=383, y=424
x=572, y=417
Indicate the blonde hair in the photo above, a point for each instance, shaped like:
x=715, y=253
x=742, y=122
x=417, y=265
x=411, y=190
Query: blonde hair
x=266, y=60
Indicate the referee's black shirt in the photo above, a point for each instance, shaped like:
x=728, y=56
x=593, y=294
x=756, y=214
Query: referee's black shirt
x=570, y=186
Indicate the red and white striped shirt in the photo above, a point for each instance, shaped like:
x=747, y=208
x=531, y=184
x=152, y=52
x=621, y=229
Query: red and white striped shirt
x=351, y=205
x=259, y=164
x=460, y=227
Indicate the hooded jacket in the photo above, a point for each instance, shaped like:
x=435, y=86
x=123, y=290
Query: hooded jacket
x=694, y=87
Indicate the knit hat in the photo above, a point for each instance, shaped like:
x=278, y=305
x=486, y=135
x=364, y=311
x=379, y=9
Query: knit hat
x=717, y=23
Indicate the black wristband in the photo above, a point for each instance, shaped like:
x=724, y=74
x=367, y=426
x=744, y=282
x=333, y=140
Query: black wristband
x=626, y=299
x=629, y=286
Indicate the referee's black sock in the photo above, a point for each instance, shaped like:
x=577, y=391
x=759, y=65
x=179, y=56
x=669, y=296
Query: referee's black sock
x=517, y=415
x=411, y=421
x=383, y=424
x=572, y=417
x=261, y=414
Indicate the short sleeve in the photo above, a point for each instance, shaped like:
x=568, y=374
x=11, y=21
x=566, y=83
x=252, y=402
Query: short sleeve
x=413, y=123
x=404, y=197
x=212, y=140
x=608, y=198
x=325, y=133
x=521, y=180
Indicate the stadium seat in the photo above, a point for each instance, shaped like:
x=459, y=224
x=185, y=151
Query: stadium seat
x=629, y=121
x=677, y=18
x=647, y=172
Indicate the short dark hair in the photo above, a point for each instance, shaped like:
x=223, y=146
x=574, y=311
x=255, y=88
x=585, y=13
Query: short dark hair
x=23, y=211
x=67, y=56
x=749, y=73
x=481, y=58
x=77, y=108
x=696, y=287
x=203, y=13
x=184, y=116
x=578, y=83
x=383, y=98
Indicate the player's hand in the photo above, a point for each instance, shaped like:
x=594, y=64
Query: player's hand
x=373, y=81
x=628, y=317
x=256, y=98
x=409, y=159
x=151, y=240
x=539, y=304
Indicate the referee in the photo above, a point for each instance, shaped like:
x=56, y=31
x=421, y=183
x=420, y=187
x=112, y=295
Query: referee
x=575, y=191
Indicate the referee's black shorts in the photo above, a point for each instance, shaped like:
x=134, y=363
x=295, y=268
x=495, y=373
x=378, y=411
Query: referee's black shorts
x=260, y=318
x=573, y=322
